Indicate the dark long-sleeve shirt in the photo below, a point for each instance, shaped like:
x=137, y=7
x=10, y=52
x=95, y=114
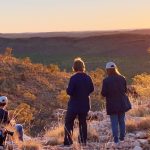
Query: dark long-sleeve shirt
x=79, y=89
x=114, y=89
x=4, y=118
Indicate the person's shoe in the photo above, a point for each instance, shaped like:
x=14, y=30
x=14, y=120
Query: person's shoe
x=115, y=145
x=82, y=144
x=65, y=145
x=111, y=145
x=121, y=138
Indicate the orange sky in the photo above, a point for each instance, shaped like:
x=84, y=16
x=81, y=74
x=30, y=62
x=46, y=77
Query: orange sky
x=73, y=15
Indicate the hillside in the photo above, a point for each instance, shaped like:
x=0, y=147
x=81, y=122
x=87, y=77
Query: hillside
x=35, y=91
x=37, y=99
x=74, y=34
x=31, y=87
x=123, y=48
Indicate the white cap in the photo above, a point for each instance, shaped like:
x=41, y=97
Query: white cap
x=110, y=65
x=3, y=99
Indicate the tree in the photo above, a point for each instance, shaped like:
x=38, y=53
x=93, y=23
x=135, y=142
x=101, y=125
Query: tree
x=8, y=51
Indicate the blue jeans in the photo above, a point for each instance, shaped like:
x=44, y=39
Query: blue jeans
x=19, y=129
x=118, y=124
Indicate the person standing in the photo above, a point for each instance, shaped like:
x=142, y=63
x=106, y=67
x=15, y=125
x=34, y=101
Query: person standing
x=79, y=88
x=114, y=88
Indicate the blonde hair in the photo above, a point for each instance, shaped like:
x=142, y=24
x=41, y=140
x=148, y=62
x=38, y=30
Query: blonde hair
x=78, y=65
x=113, y=71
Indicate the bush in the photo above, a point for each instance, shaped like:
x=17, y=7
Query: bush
x=53, y=68
x=63, y=97
x=30, y=145
x=141, y=84
x=140, y=111
x=23, y=113
x=93, y=135
x=8, y=51
x=29, y=95
x=142, y=124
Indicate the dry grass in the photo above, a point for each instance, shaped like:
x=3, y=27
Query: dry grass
x=30, y=145
x=134, y=125
x=56, y=132
x=141, y=84
x=55, y=136
x=93, y=135
x=140, y=111
x=131, y=125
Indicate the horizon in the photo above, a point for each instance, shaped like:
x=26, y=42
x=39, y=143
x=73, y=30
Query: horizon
x=32, y=16
x=78, y=31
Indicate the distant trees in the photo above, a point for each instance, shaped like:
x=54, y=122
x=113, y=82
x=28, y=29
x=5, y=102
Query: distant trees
x=8, y=51
x=53, y=68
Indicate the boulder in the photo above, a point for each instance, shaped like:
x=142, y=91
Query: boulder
x=137, y=148
x=141, y=135
x=143, y=141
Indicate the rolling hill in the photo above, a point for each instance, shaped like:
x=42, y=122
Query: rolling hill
x=129, y=49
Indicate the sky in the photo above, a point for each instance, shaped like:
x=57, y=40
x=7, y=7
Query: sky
x=73, y=15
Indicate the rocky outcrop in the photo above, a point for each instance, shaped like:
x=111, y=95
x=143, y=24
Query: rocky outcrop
x=99, y=123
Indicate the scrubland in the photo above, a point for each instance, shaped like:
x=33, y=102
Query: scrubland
x=35, y=91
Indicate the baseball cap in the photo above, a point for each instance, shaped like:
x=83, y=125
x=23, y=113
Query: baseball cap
x=110, y=65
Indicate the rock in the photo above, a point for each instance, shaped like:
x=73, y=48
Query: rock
x=104, y=138
x=143, y=141
x=26, y=138
x=136, y=143
x=141, y=135
x=97, y=115
x=131, y=135
x=109, y=145
x=137, y=148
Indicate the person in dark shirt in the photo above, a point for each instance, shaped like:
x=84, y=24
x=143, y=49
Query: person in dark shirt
x=79, y=88
x=114, y=88
x=4, y=120
x=4, y=117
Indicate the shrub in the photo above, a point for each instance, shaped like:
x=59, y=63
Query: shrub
x=29, y=95
x=55, y=136
x=31, y=145
x=8, y=51
x=53, y=68
x=93, y=135
x=131, y=125
x=97, y=76
x=140, y=111
x=23, y=113
x=97, y=101
x=142, y=124
x=63, y=97
x=141, y=84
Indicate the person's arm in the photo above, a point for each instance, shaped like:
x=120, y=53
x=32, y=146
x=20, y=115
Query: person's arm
x=91, y=86
x=6, y=118
x=70, y=89
x=125, y=85
x=104, y=89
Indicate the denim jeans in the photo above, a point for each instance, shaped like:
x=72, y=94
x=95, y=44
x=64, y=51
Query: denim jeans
x=118, y=126
x=19, y=129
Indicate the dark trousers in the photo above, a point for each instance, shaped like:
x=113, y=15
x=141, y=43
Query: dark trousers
x=69, y=123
